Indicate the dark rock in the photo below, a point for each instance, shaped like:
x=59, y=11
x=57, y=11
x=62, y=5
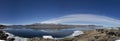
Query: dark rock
x=3, y=36
x=2, y=26
x=10, y=39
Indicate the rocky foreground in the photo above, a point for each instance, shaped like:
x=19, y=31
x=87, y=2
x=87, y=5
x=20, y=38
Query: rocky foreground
x=91, y=35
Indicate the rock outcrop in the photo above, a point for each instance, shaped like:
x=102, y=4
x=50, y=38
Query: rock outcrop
x=3, y=36
x=2, y=26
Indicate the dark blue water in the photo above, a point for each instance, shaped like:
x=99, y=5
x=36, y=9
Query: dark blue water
x=29, y=33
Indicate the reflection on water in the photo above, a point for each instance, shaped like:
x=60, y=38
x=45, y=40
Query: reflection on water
x=29, y=33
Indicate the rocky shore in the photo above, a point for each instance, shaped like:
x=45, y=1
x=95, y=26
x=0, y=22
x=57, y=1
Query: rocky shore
x=90, y=35
x=4, y=36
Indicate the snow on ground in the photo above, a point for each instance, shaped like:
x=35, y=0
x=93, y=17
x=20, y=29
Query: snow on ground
x=76, y=33
x=2, y=40
x=16, y=37
x=117, y=40
x=47, y=37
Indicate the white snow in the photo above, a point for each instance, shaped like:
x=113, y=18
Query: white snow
x=47, y=37
x=19, y=39
x=2, y=40
x=76, y=33
x=117, y=40
x=16, y=38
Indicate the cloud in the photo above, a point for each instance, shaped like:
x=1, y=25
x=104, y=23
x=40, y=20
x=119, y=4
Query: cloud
x=84, y=19
x=5, y=24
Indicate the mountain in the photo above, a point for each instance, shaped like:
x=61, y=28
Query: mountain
x=58, y=26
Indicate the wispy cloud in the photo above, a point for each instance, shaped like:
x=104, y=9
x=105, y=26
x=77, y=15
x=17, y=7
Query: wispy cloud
x=84, y=19
x=5, y=24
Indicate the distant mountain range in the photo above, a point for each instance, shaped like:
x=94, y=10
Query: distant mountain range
x=50, y=26
x=58, y=26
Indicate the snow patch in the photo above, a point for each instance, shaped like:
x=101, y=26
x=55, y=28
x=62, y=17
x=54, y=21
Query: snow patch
x=76, y=33
x=16, y=37
x=2, y=40
x=48, y=37
x=117, y=40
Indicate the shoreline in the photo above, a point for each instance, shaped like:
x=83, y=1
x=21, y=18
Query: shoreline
x=89, y=35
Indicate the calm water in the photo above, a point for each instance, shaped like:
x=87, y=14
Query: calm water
x=29, y=33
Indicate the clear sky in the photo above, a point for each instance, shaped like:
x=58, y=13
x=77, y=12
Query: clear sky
x=32, y=11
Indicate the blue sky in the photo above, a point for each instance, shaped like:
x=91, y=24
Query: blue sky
x=32, y=11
